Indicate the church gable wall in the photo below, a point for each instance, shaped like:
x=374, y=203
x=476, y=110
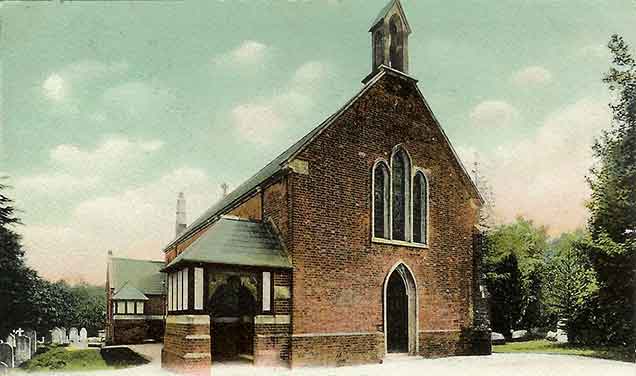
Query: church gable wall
x=338, y=271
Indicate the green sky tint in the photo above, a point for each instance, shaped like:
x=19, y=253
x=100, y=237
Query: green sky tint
x=111, y=108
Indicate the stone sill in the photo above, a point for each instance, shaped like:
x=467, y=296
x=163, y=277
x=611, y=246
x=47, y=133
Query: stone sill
x=399, y=242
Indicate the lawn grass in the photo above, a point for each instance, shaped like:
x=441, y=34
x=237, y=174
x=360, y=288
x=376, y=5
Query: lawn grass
x=547, y=347
x=60, y=358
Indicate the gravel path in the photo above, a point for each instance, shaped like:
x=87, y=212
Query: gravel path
x=494, y=365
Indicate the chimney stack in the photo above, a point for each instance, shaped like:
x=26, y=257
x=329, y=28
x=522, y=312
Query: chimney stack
x=181, y=215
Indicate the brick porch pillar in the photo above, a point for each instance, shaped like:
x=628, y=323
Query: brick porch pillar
x=186, y=345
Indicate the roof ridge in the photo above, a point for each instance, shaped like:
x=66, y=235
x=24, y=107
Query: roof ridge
x=134, y=259
x=288, y=154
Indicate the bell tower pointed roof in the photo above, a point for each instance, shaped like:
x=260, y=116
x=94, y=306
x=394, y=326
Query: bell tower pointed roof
x=390, y=39
x=392, y=7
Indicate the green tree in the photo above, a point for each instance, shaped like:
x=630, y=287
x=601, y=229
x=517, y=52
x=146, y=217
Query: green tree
x=27, y=300
x=90, y=307
x=569, y=285
x=513, y=264
x=612, y=249
x=15, y=277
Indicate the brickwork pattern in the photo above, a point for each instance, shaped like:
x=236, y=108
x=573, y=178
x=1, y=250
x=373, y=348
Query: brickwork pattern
x=338, y=350
x=338, y=272
x=186, y=347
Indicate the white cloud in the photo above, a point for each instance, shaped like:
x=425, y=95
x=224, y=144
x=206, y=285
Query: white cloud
x=256, y=123
x=55, y=87
x=543, y=177
x=598, y=51
x=75, y=169
x=531, y=76
x=60, y=183
x=58, y=86
x=249, y=52
x=310, y=74
x=493, y=114
x=136, y=223
x=262, y=121
x=138, y=97
x=114, y=152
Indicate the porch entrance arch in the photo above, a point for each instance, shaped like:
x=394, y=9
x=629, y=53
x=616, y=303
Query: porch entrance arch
x=400, y=311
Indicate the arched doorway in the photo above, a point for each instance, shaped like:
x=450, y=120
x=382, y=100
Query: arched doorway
x=400, y=311
x=232, y=308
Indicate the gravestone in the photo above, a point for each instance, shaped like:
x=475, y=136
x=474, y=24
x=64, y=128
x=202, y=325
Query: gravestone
x=73, y=336
x=11, y=340
x=64, y=335
x=83, y=335
x=6, y=354
x=4, y=369
x=519, y=335
x=34, y=340
x=22, y=349
x=497, y=338
x=56, y=336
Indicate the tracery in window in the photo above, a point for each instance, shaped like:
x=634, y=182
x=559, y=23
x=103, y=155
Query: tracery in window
x=401, y=178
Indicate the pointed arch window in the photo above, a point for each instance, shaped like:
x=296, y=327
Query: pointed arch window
x=381, y=190
x=401, y=179
x=378, y=49
x=420, y=208
x=396, y=47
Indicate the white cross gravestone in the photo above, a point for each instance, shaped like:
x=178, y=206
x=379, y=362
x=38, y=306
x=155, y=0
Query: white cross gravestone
x=73, y=336
x=22, y=349
x=83, y=335
x=33, y=336
x=11, y=340
x=6, y=354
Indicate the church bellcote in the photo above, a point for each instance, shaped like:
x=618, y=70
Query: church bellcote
x=389, y=37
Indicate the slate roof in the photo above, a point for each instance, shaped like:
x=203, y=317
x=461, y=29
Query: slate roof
x=129, y=292
x=234, y=241
x=278, y=164
x=143, y=275
x=266, y=172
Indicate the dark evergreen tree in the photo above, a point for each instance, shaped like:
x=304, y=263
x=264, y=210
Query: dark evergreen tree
x=612, y=224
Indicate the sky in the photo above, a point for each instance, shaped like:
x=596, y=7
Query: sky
x=109, y=109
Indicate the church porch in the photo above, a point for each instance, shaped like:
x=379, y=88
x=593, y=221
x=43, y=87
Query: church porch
x=229, y=299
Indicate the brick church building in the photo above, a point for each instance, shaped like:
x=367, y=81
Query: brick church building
x=357, y=242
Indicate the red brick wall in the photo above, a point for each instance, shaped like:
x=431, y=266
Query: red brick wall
x=277, y=207
x=186, y=346
x=272, y=342
x=337, y=349
x=338, y=272
x=136, y=331
x=250, y=209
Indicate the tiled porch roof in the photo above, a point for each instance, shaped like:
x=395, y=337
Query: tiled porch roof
x=235, y=242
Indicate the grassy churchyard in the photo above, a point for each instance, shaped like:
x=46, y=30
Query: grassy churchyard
x=547, y=347
x=68, y=358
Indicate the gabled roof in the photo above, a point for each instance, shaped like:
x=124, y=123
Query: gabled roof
x=271, y=169
x=279, y=164
x=233, y=241
x=128, y=292
x=385, y=12
x=143, y=275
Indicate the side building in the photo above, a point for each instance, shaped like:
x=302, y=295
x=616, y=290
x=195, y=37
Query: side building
x=135, y=293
